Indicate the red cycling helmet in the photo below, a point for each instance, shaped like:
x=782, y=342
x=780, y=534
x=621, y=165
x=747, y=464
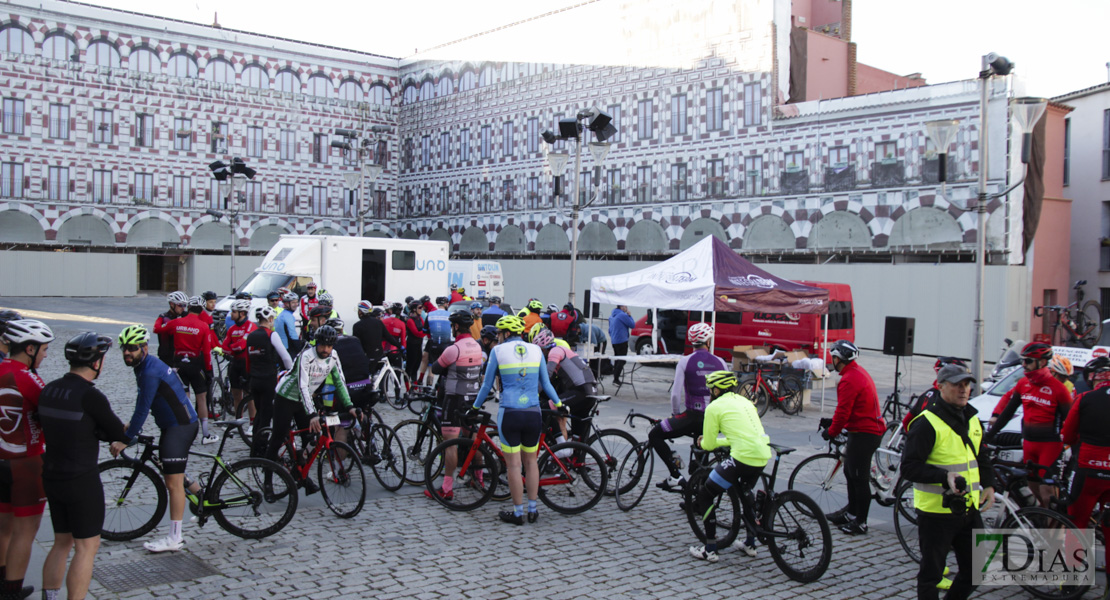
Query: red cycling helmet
x=1037, y=350
x=944, y=361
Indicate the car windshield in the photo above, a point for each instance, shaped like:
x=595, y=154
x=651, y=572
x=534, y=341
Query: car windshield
x=1006, y=383
x=260, y=284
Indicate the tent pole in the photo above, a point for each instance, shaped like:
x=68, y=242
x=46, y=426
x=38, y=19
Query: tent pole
x=824, y=351
x=712, y=340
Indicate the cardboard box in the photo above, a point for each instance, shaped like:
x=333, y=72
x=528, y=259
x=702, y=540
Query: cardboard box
x=739, y=358
x=794, y=355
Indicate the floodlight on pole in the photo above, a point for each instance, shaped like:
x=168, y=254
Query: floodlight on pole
x=942, y=133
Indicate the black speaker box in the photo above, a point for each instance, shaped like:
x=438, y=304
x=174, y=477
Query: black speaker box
x=898, y=336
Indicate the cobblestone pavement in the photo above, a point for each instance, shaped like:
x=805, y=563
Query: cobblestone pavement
x=405, y=546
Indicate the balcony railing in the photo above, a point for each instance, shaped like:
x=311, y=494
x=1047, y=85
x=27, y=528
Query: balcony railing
x=888, y=173
x=840, y=179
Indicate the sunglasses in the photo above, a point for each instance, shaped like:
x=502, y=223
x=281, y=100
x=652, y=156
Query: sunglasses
x=1028, y=361
x=129, y=348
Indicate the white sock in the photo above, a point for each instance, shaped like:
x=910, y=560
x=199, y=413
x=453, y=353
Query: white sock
x=204, y=427
x=175, y=531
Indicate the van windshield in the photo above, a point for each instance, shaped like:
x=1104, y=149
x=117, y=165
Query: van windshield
x=260, y=284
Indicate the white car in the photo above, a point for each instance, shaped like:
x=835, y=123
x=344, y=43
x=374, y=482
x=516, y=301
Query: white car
x=985, y=404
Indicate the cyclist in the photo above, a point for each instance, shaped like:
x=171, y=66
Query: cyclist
x=857, y=412
x=264, y=353
x=372, y=333
x=229, y=320
x=493, y=312
x=326, y=300
x=1087, y=430
x=307, y=303
x=573, y=379
x=487, y=340
x=162, y=328
x=523, y=372
x=285, y=324
x=296, y=390
x=548, y=313
x=352, y=360
x=192, y=359
x=5, y=317
x=161, y=394
x=460, y=368
x=689, y=397
x=318, y=318
x=438, y=325
x=414, y=343
x=395, y=325
x=235, y=346
x=462, y=292
x=454, y=295
x=75, y=418
x=534, y=316
x=930, y=395
x=565, y=324
x=736, y=417
x=476, y=326
x=1061, y=368
x=1045, y=402
x=210, y=299
x=21, y=443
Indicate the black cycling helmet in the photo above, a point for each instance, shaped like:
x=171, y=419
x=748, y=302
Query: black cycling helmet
x=424, y=299
x=1037, y=350
x=396, y=308
x=1093, y=368
x=495, y=300
x=86, y=348
x=454, y=286
x=8, y=315
x=442, y=300
x=409, y=299
x=244, y=296
x=944, y=361
x=414, y=305
x=320, y=311
x=274, y=295
x=489, y=332
x=210, y=295
x=462, y=318
x=325, y=335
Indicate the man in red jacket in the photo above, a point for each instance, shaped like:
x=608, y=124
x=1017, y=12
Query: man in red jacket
x=192, y=347
x=857, y=412
x=308, y=302
x=235, y=346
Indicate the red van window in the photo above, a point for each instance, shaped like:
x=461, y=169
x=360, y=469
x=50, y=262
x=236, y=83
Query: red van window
x=840, y=315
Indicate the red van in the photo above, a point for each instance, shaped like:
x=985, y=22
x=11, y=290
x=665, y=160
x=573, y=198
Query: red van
x=792, y=331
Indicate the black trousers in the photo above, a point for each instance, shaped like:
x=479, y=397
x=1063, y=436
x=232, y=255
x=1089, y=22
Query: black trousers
x=620, y=349
x=937, y=535
x=413, y=351
x=857, y=471
x=688, y=423
x=284, y=412
x=262, y=390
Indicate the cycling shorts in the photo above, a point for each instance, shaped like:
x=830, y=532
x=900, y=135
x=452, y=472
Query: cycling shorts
x=173, y=447
x=28, y=498
x=191, y=372
x=237, y=374
x=76, y=505
x=1042, y=453
x=434, y=350
x=730, y=472
x=454, y=409
x=5, y=487
x=519, y=430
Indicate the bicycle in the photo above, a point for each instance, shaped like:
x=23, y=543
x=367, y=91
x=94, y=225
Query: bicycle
x=789, y=523
x=568, y=485
x=221, y=404
x=786, y=393
x=233, y=494
x=378, y=446
x=819, y=475
x=339, y=472
x=391, y=382
x=418, y=437
x=611, y=444
x=1078, y=324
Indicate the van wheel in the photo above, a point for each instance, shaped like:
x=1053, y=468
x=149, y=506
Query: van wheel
x=643, y=347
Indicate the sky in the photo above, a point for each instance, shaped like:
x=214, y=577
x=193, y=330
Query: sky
x=1057, y=47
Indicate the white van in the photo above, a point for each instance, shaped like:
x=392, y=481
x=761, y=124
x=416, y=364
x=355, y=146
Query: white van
x=480, y=278
x=350, y=269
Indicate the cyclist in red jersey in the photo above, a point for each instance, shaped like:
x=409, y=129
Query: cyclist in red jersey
x=21, y=443
x=235, y=346
x=307, y=302
x=192, y=358
x=930, y=395
x=1045, y=402
x=1088, y=425
x=163, y=325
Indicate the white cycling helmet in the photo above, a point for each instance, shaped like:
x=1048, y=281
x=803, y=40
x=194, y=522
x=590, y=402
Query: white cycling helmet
x=699, y=334
x=290, y=297
x=196, y=301
x=28, y=331
x=178, y=298
x=241, y=306
x=264, y=313
x=844, y=350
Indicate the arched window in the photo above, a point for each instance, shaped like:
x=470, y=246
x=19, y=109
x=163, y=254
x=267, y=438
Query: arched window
x=288, y=82
x=16, y=40
x=182, y=65
x=427, y=90
x=379, y=94
x=320, y=85
x=486, y=78
x=468, y=81
x=255, y=76
x=410, y=94
x=59, y=46
x=144, y=60
x=350, y=90
x=220, y=71
x=446, y=84
x=102, y=54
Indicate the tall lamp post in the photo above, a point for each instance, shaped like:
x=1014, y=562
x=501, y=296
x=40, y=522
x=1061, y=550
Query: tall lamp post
x=602, y=127
x=367, y=171
x=232, y=179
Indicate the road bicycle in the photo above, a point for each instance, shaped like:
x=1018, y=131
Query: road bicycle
x=569, y=485
x=612, y=444
x=783, y=391
x=1078, y=324
x=233, y=494
x=418, y=437
x=339, y=469
x=392, y=382
x=221, y=404
x=379, y=447
x=789, y=523
x=821, y=476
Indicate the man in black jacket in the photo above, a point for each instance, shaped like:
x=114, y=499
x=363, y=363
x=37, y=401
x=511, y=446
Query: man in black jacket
x=370, y=331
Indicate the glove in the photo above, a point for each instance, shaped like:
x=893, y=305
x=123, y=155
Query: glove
x=472, y=413
x=563, y=410
x=825, y=435
x=218, y=351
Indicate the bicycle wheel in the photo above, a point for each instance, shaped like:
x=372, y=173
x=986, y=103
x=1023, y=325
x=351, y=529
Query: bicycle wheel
x=634, y=476
x=747, y=389
x=417, y=441
x=246, y=508
x=243, y=410
x=730, y=516
x=135, y=499
x=892, y=442
x=792, y=390
x=581, y=478
x=613, y=445
x=417, y=403
x=820, y=478
x=1044, y=531
x=386, y=456
x=393, y=391
x=475, y=477
x=905, y=520
x=342, y=480
x=1090, y=323
x=220, y=404
x=799, y=539
x=762, y=401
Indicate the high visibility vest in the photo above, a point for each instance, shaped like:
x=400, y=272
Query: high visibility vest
x=953, y=455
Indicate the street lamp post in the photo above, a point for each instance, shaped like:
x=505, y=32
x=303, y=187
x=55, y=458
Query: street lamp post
x=232, y=179
x=367, y=171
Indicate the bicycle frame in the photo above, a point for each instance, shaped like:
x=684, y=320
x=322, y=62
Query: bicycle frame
x=765, y=385
x=481, y=437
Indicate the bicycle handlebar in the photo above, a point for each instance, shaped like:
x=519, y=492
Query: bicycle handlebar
x=633, y=415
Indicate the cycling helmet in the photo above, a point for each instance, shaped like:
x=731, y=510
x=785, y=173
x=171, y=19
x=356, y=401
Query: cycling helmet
x=320, y=311
x=364, y=307
x=264, y=313
x=241, y=306
x=290, y=297
x=311, y=285
x=844, y=350
x=409, y=299
x=396, y=308
x=178, y=298
x=495, y=300
x=376, y=312
x=552, y=308
x=86, y=348
x=415, y=305
x=442, y=300
x=1037, y=350
x=722, y=380
x=535, y=305
x=699, y=334
x=196, y=301
x=24, y=331
x=511, y=323
x=524, y=312
x=462, y=318
x=336, y=324
x=1098, y=369
x=474, y=305
x=325, y=298
x=462, y=290
x=568, y=307
x=489, y=332
x=210, y=295
x=544, y=338
x=1061, y=365
x=325, y=335
x=274, y=295
x=425, y=298
x=944, y=361
x=533, y=331
x=454, y=286
x=244, y=296
x=133, y=335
